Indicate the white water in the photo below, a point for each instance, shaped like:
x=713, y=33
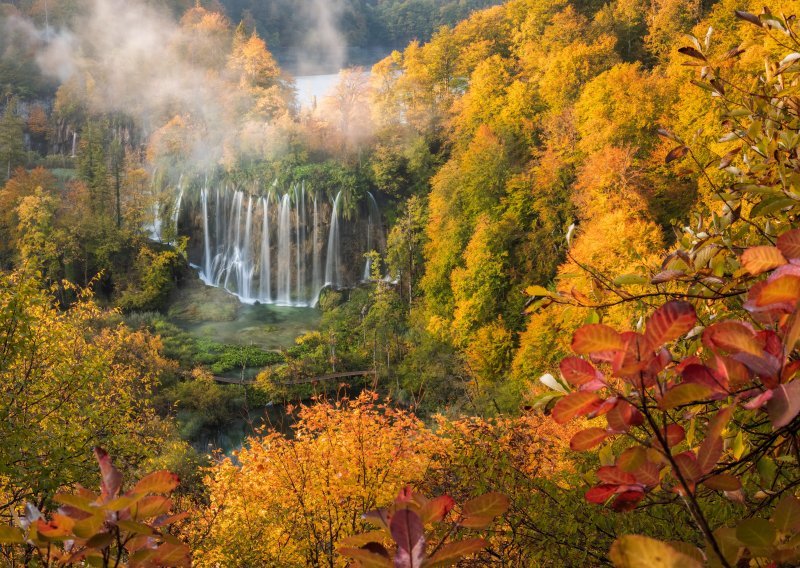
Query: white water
x=333, y=269
x=274, y=249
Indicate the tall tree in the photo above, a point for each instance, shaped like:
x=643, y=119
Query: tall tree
x=12, y=138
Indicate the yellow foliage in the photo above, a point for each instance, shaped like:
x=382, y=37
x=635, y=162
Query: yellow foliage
x=288, y=502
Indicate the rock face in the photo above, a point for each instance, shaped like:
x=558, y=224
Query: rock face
x=279, y=248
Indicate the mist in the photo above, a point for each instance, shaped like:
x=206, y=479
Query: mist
x=135, y=58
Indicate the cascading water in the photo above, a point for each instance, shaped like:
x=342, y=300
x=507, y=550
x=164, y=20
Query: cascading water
x=283, y=247
x=285, y=252
x=176, y=211
x=316, y=252
x=265, y=281
x=333, y=262
x=206, y=240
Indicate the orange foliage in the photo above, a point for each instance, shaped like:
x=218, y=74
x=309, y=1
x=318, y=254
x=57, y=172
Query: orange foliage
x=288, y=502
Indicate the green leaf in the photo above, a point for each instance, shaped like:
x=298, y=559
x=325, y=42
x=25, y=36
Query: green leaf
x=729, y=546
x=100, y=540
x=786, y=515
x=630, y=280
x=767, y=470
x=135, y=528
x=533, y=291
x=481, y=511
x=635, y=551
x=10, y=535
x=756, y=533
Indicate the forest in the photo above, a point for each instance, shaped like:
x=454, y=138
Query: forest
x=522, y=292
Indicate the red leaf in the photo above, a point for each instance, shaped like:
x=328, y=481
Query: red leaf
x=436, y=509
x=111, y=478
x=600, y=494
x=623, y=416
x=407, y=532
x=365, y=558
x=627, y=500
x=489, y=504
x=648, y=473
x=789, y=244
x=733, y=337
x=611, y=474
x=731, y=370
x=702, y=375
x=607, y=406
x=717, y=424
x=596, y=338
x=575, y=404
x=667, y=276
x=670, y=321
x=684, y=393
x=759, y=400
x=577, y=371
x=709, y=453
x=675, y=434
x=757, y=260
x=688, y=466
x=692, y=52
x=676, y=154
x=723, y=482
x=780, y=293
x=766, y=366
x=587, y=439
x=784, y=404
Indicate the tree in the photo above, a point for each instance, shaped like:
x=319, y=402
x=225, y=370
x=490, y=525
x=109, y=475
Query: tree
x=344, y=459
x=69, y=382
x=405, y=246
x=93, y=167
x=12, y=143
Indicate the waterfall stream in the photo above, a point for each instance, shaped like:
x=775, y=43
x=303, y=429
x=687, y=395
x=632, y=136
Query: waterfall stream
x=280, y=248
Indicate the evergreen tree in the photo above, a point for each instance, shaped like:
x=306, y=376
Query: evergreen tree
x=12, y=146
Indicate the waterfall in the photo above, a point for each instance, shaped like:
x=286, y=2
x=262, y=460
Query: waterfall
x=74, y=143
x=265, y=280
x=298, y=241
x=285, y=252
x=333, y=261
x=246, y=263
x=280, y=248
x=176, y=212
x=206, y=241
x=234, y=235
x=316, y=285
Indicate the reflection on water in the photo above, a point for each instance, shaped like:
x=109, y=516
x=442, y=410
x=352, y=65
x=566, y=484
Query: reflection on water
x=267, y=326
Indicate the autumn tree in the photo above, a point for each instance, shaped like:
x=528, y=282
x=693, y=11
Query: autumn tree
x=65, y=389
